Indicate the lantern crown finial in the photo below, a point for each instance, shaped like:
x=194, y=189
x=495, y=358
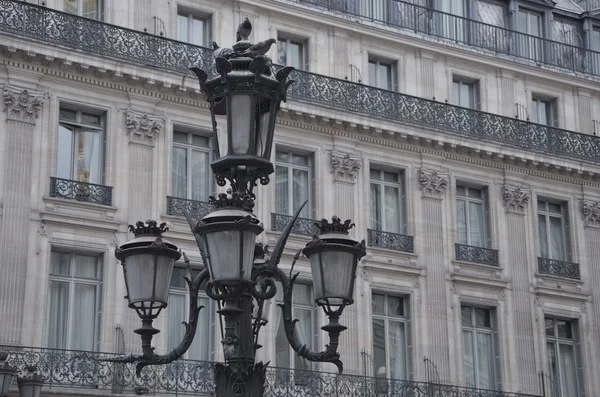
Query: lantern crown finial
x=150, y=228
x=239, y=200
x=335, y=226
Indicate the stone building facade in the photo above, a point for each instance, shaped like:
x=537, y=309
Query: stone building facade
x=460, y=137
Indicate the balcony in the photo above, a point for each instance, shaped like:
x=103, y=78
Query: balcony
x=197, y=209
x=302, y=226
x=556, y=268
x=82, y=34
x=392, y=241
x=80, y=191
x=81, y=370
x=483, y=256
x=405, y=16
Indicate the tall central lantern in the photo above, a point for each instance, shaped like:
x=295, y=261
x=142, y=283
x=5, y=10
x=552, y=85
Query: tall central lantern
x=244, y=94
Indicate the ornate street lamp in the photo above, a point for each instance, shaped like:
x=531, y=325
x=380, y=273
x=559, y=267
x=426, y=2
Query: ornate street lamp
x=31, y=384
x=246, y=90
x=6, y=375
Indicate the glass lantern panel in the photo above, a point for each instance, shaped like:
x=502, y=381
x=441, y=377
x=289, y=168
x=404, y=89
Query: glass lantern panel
x=336, y=268
x=262, y=135
x=140, y=277
x=241, y=119
x=224, y=250
x=164, y=271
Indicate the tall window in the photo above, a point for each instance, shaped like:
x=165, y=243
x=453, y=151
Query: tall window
x=530, y=44
x=74, y=301
x=465, y=93
x=479, y=355
x=387, y=201
x=390, y=344
x=84, y=8
x=381, y=74
x=544, y=111
x=374, y=9
x=563, y=357
x=453, y=20
x=178, y=311
x=303, y=310
x=80, y=145
x=292, y=53
x=472, y=215
x=293, y=183
x=552, y=224
x=190, y=168
x=193, y=29
x=595, y=46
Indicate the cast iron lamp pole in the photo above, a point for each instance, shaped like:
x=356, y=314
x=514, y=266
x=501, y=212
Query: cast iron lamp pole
x=247, y=92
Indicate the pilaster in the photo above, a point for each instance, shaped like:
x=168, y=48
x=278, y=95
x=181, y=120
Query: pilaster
x=22, y=107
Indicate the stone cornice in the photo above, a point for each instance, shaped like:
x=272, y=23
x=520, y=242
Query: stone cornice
x=433, y=184
x=22, y=105
x=590, y=211
x=345, y=166
x=143, y=128
x=515, y=199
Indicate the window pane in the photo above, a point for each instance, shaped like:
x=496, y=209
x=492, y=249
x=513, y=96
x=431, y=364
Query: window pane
x=198, y=30
x=461, y=220
x=469, y=359
x=554, y=207
x=379, y=348
x=303, y=328
x=177, y=280
x=375, y=174
x=282, y=348
x=179, y=172
x=67, y=114
x=90, y=9
x=302, y=295
x=181, y=137
x=84, y=314
x=456, y=92
x=91, y=119
x=485, y=361
x=295, y=54
x=88, y=156
x=385, y=76
x=397, y=350
x=376, y=207
x=467, y=99
x=392, y=209
x=299, y=160
x=395, y=306
x=475, y=193
x=200, y=348
x=390, y=176
x=199, y=140
x=568, y=370
x=281, y=52
x=86, y=266
x=564, y=329
x=378, y=304
x=60, y=264
x=182, y=27
x=175, y=315
x=552, y=363
x=543, y=231
x=200, y=175
x=71, y=6
x=300, y=191
x=476, y=227
x=281, y=191
x=465, y=315
x=58, y=315
x=482, y=318
x=373, y=73
x=549, y=327
x=557, y=240
x=65, y=152
x=282, y=156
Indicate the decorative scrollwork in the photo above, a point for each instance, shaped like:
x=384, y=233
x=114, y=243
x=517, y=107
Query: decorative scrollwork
x=469, y=253
x=302, y=226
x=393, y=241
x=80, y=191
x=558, y=268
x=197, y=209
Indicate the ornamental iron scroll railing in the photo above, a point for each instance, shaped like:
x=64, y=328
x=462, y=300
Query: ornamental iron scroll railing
x=557, y=268
x=71, y=369
x=496, y=38
x=197, y=209
x=393, y=241
x=58, y=28
x=469, y=253
x=80, y=191
x=302, y=226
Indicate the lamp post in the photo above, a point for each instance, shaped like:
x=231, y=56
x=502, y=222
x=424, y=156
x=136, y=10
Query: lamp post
x=248, y=92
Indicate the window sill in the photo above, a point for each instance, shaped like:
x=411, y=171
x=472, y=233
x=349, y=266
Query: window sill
x=477, y=273
x=560, y=286
x=64, y=211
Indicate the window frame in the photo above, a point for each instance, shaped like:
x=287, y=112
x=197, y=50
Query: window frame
x=563, y=216
x=301, y=41
x=310, y=207
x=374, y=60
x=99, y=9
x=401, y=185
x=557, y=341
x=475, y=88
x=190, y=16
x=72, y=281
x=190, y=147
x=484, y=201
x=551, y=108
x=77, y=124
x=406, y=323
x=475, y=330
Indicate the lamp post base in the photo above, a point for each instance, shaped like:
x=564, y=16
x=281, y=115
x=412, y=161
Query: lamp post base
x=239, y=380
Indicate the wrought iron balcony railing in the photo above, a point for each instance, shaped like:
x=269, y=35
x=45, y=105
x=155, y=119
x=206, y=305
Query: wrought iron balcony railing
x=80, y=191
x=393, y=241
x=469, y=253
x=68, y=369
x=302, y=226
x=404, y=15
x=58, y=28
x=197, y=209
x=553, y=267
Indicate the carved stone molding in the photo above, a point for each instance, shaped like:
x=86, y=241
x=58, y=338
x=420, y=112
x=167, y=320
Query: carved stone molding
x=345, y=167
x=143, y=128
x=590, y=210
x=515, y=199
x=433, y=184
x=22, y=105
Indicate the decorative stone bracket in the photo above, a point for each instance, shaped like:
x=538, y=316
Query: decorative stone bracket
x=515, y=199
x=345, y=167
x=22, y=105
x=433, y=184
x=590, y=210
x=143, y=128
